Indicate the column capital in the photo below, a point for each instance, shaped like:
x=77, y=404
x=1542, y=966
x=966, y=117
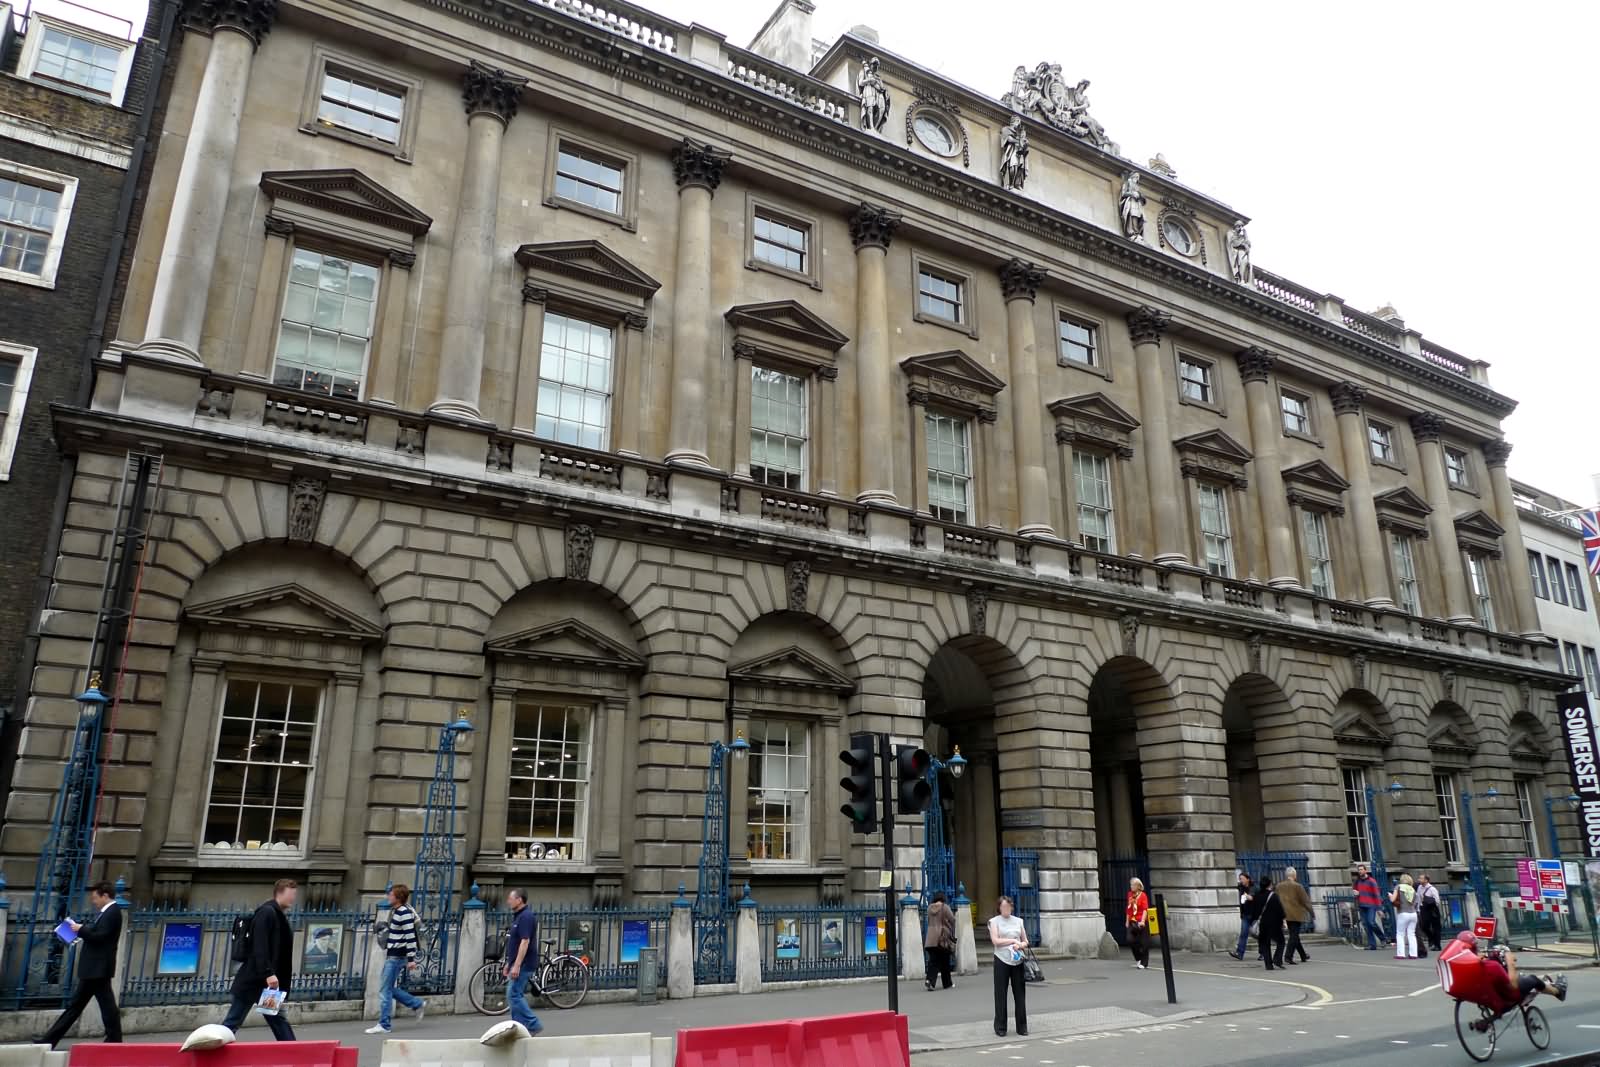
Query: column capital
x=744, y=350
x=277, y=226
x=1496, y=452
x=1255, y=364
x=698, y=165
x=1426, y=427
x=872, y=226
x=1020, y=280
x=534, y=294
x=490, y=90
x=1147, y=324
x=1347, y=398
x=253, y=18
x=402, y=258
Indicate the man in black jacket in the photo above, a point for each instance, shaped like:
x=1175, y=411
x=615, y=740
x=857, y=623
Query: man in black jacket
x=1271, y=920
x=271, y=961
x=97, y=963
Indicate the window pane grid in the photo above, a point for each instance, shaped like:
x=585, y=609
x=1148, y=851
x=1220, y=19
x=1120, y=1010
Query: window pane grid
x=8, y=383
x=1355, y=814
x=1296, y=413
x=1405, y=575
x=588, y=179
x=1195, y=380
x=361, y=106
x=777, y=812
x=548, y=790
x=939, y=296
x=328, y=309
x=1092, y=478
x=1381, y=441
x=1078, y=342
x=949, y=468
x=261, y=767
x=1558, y=591
x=780, y=243
x=1444, y=787
x=1319, y=554
x=1536, y=576
x=1215, y=531
x=76, y=61
x=1591, y=672
x=1478, y=574
x=27, y=222
x=575, y=367
x=1575, y=587
x=1525, y=817
x=1574, y=665
x=1455, y=466
x=777, y=428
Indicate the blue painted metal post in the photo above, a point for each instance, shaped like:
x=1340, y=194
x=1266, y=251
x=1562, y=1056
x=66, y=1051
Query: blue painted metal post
x=712, y=895
x=1571, y=800
x=938, y=858
x=435, y=878
x=1475, y=871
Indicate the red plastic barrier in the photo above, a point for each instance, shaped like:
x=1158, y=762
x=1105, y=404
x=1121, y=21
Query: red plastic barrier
x=238, y=1054
x=865, y=1039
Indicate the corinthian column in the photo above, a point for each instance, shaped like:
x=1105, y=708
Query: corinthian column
x=490, y=97
x=1145, y=326
x=1526, y=614
x=1019, y=284
x=194, y=227
x=698, y=170
x=1441, y=523
x=1347, y=398
x=871, y=230
x=1255, y=368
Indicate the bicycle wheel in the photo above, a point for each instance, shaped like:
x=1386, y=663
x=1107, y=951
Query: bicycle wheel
x=564, y=981
x=1478, y=1043
x=1538, y=1028
x=487, y=990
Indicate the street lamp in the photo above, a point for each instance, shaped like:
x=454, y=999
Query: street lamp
x=711, y=894
x=1571, y=800
x=938, y=859
x=1380, y=869
x=1475, y=872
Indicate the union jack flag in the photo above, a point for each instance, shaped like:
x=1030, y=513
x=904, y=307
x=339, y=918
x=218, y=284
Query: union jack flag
x=1590, y=520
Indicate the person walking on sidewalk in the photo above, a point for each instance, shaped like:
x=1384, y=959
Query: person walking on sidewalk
x=1430, y=914
x=1369, y=898
x=1137, y=917
x=1271, y=925
x=521, y=958
x=270, y=964
x=1404, y=899
x=1296, y=913
x=97, y=963
x=1247, y=913
x=400, y=956
x=1009, y=938
x=940, y=940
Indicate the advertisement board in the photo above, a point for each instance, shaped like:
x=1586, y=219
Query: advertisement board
x=1580, y=734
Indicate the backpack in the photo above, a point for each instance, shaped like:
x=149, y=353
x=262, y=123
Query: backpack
x=241, y=937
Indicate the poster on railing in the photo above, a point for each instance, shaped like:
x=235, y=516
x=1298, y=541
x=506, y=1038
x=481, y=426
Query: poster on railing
x=579, y=934
x=635, y=936
x=874, y=936
x=788, y=939
x=180, y=950
x=832, y=937
x=323, y=949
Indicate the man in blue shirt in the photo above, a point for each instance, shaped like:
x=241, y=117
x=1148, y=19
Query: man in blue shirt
x=520, y=959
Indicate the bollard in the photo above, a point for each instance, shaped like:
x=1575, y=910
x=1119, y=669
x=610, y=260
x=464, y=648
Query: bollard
x=470, y=948
x=649, y=975
x=966, y=940
x=1166, y=946
x=915, y=966
x=748, y=946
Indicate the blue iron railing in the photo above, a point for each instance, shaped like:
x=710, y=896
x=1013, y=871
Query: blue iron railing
x=608, y=937
x=805, y=942
x=1260, y=865
x=1020, y=882
x=1115, y=872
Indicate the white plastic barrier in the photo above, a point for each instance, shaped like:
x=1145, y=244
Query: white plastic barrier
x=31, y=1056
x=597, y=1050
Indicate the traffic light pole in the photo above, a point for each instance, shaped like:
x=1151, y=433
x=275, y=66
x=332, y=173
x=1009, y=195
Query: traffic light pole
x=886, y=759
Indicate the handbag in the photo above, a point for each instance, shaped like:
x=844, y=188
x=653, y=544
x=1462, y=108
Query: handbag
x=1031, y=971
x=1255, y=928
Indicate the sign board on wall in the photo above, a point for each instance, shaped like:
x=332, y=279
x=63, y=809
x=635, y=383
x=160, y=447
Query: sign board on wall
x=1581, y=734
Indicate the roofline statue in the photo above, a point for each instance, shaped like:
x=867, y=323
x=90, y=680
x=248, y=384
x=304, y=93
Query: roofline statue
x=1046, y=94
x=1239, y=254
x=873, y=96
x=1014, y=154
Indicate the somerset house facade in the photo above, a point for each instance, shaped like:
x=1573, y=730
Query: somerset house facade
x=634, y=390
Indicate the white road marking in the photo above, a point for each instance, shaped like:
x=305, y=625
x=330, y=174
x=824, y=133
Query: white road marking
x=1425, y=989
x=1300, y=1033
x=1588, y=1026
x=1440, y=1044
x=1342, y=1037
x=1263, y=1028
x=1396, y=1041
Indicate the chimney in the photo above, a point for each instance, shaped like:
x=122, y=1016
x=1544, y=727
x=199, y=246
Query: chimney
x=866, y=33
x=786, y=37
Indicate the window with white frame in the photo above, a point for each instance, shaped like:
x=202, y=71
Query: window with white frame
x=1525, y=816
x=949, y=467
x=1575, y=586
x=326, y=330
x=1091, y=473
x=1558, y=591
x=1380, y=439
x=1296, y=413
x=1319, y=552
x=361, y=105
x=777, y=814
x=777, y=428
x=781, y=242
x=77, y=58
x=1194, y=380
x=1405, y=573
x=941, y=296
x=590, y=179
x=1356, y=828
x=1574, y=663
x=1444, y=789
x=1455, y=468
x=1591, y=672
x=548, y=793
x=262, y=766
x=16, y=374
x=1215, y=530
x=1482, y=594
x=575, y=367
x=1078, y=342
x=1536, y=575
x=35, y=207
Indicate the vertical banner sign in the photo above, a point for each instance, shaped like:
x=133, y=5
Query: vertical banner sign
x=1527, y=880
x=1579, y=729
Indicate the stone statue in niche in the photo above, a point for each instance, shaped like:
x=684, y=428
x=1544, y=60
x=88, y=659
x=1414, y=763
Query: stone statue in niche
x=1239, y=254
x=1062, y=105
x=1014, y=155
x=873, y=96
x=1130, y=206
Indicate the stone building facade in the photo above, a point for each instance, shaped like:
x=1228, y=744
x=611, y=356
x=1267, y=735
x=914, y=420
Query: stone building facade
x=1563, y=588
x=73, y=87
x=631, y=390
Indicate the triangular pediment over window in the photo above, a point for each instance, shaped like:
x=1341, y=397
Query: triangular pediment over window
x=790, y=667
x=1094, y=419
x=1315, y=485
x=952, y=380
x=1213, y=455
x=567, y=642
x=1449, y=738
x=1360, y=729
x=285, y=609
x=348, y=193
x=1401, y=509
x=1217, y=443
x=955, y=366
x=591, y=263
x=1480, y=523
x=789, y=320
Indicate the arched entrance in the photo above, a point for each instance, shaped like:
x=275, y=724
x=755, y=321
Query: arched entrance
x=1121, y=689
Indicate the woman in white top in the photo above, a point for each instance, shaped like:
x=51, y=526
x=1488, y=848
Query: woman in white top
x=1009, y=938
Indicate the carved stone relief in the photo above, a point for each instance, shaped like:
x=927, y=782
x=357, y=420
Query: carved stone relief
x=978, y=611
x=797, y=580
x=1043, y=93
x=1130, y=634
x=305, y=507
x=580, y=551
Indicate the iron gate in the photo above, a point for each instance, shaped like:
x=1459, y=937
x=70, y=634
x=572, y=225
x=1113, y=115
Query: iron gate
x=1114, y=874
x=1020, y=882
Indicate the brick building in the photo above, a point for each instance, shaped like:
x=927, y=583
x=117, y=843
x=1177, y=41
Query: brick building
x=632, y=389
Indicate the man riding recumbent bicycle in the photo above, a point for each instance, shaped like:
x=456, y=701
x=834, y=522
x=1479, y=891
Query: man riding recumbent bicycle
x=1491, y=996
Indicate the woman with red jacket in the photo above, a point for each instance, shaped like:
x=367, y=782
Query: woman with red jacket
x=1138, y=920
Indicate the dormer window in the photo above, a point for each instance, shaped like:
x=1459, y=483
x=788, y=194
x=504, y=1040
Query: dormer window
x=77, y=59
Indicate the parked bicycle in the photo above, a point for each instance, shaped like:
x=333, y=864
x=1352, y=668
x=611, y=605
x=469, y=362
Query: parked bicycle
x=562, y=978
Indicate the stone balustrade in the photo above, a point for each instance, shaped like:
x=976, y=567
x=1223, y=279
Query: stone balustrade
x=790, y=85
x=635, y=23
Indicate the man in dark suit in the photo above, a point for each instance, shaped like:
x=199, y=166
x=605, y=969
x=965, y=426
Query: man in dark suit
x=97, y=962
x=271, y=963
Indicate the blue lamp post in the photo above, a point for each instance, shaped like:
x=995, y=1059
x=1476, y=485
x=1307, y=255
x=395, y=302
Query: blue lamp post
x=711, y=896
x=1475, y=871
x=938, y=857
x=1571, y=800
x=1380, y=869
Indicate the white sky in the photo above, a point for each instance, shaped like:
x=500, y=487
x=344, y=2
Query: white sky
x=1403, y=151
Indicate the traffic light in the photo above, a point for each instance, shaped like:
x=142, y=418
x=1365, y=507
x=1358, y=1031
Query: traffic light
x=911, y=780
x=861, y=784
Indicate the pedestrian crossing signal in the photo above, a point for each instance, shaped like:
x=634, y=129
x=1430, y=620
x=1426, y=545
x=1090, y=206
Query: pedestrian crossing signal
x=860, y=785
